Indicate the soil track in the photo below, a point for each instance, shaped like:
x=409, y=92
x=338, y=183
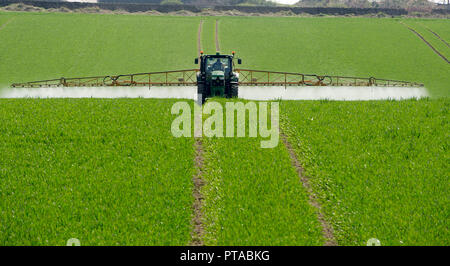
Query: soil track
x=197, y=223
x=197, y=233
x=199, y=37
x=429, y=44
x=217, y=36
x=327, y=230
x=437, y=35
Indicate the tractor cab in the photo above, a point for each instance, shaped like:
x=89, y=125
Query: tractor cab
x=216, y=67
x=216, y=76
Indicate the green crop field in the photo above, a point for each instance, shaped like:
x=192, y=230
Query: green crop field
x=45, y=46
x=340, y=46
x=109, y=172
x=104, y=171
x=379, y=168
x=253, y=196
x=4, y=17
x=424, y=29
x=438, y=26
x=208, y=45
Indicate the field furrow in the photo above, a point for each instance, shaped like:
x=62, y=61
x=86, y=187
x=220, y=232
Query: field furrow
x=439, y=26
x=431, y=38
x=208, y=36
x=327, y=229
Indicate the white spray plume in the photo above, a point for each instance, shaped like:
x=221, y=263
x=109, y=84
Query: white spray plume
x=182, y=92
x=339, y=93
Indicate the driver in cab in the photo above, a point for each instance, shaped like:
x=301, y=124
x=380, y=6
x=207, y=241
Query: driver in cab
x=218, y=65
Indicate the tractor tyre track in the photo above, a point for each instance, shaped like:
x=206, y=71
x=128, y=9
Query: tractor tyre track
x=217, y=36
x=327, y=229
x=439, y=37
x=199, y=37
x=6, y=23
x=197, y=223
x=424, y=40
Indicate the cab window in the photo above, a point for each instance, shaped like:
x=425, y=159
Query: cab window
x=213, y=64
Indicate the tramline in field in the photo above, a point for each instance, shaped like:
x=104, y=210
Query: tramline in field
x=217, y=76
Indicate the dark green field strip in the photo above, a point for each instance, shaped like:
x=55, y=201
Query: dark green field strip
x=380, y=169
x=364, y=47
x=52, y=45
x=253, y=196
x=107, y=172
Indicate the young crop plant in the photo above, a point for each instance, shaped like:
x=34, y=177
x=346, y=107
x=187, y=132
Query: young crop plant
x=379, y=168
x=253, y=196
x=106, y=172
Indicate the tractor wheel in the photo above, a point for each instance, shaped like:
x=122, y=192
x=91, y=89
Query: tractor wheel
x=201, y=91
x=228, y=91
x=234, y=90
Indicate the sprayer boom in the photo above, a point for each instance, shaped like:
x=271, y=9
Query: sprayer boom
x=247, y=77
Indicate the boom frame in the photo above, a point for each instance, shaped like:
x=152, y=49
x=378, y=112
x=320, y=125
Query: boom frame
x=187, y=77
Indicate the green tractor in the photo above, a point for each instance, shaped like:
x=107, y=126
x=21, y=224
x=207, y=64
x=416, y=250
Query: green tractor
x=216, y=76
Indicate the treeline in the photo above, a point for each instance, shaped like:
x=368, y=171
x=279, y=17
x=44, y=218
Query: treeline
x=407, y=4
x=233, y=2
x=197, y=2
x=366, y=3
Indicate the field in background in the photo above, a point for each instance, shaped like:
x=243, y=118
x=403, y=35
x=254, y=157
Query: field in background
x=438, y=26
x=208, y=29
x=4, y=17
x=379, y=168
x=41, y=46
x=426, y=30
x=363, y=47
x=107, y=172
x=45, y=46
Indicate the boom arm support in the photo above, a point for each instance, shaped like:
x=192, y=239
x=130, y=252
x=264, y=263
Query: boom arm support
x=247, y=77
x=250, y=77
